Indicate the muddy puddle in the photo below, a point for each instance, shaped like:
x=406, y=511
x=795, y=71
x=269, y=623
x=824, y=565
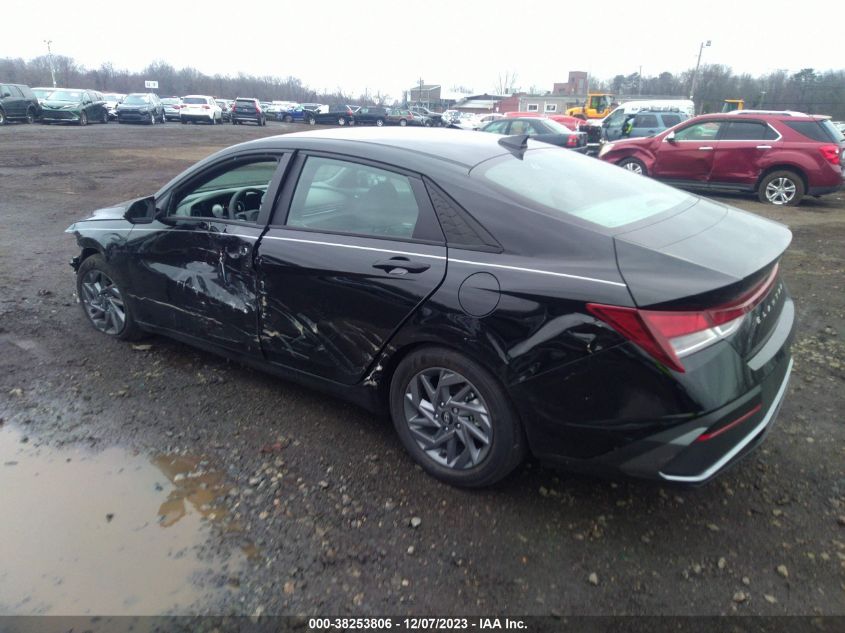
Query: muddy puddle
x=110, y=532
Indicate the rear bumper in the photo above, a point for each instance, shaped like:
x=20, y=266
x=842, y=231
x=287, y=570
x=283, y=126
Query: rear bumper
x=196, y=117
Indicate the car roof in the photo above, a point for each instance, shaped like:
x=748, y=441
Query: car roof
x=764, y=116
x=406, y=145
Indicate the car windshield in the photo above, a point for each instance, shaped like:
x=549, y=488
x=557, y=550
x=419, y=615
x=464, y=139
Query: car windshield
x=562, y=183
x=66, y=95
x=136, y=99
x=41, y=93
x=194, y=100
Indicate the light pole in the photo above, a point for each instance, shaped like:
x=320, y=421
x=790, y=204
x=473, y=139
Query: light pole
x=698, y=64
x=50, y=58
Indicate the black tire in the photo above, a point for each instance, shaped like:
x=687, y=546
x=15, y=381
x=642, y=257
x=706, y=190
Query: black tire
x=507, y=447
x=311, y=121
x=105, y=117
x=152, y=120
x=379, y=122
x=633, y=165
x=163, y=119
x=184, y=122
x=30, y=115
x=403, y=122
x=130, y=330
x=83, y=118
x=341, y=120
x=781, y=188
x=3, y=119
x=287, y=118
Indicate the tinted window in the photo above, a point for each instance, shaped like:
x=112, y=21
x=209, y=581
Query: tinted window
x=339, y=196
x=670, y=120
x=745, y=131
x=195, y=100
x=497, y=127
x=591, y=190
x=234, y=194
x=646, y=120
x=706, y=131
x=810, y=129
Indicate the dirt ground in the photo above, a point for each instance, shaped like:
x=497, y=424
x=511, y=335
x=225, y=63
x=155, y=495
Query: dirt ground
x=320, y=495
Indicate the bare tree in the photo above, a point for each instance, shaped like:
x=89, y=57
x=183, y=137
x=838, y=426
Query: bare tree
x=507, y=83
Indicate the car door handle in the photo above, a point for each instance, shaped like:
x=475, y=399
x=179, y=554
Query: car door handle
x=764, y=147
x=401, y=266
x=705, y=149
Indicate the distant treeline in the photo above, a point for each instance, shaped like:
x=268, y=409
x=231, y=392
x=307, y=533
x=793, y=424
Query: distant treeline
x=806, y=90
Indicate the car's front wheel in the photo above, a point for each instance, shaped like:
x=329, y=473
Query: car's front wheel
x=782, y=188
x=103, y=301
x=403, y=122
x=152, y=119
x=454, y=418
x=634, y=165
x=30, y=116
x=83, y=118
x=2, y=117
x=312, y=121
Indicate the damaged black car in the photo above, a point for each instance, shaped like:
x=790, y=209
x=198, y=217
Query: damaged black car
x=495, y=295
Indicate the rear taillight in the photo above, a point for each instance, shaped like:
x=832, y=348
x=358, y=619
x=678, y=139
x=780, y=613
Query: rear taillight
x=830, y=153
x=206, y=107
x=572, y=141
x=257, y=109
x=670, y=335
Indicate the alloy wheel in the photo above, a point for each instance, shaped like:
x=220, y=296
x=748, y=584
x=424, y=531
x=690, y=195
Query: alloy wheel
x=103, y=302
x=780, y=191
x=447, y=418
x=634, y=167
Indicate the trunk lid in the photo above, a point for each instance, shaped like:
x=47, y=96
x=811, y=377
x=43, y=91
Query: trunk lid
x=706, y=256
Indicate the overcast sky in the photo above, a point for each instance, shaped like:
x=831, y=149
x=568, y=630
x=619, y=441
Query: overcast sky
x=390, y=45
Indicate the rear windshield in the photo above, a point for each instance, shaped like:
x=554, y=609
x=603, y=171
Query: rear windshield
x=194, y=100
x=246, y=101
x=170, y=101
x=812, y=129
x=562, y=183
x=833, y=131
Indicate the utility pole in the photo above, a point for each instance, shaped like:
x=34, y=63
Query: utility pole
x=698, y=64
x=50, y=58
x=419, y=95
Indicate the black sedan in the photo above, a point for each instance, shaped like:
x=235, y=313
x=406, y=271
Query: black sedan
x=494, y=294
x=545, y=130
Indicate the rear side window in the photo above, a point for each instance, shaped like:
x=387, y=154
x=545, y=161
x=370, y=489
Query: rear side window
x=748, y=131
x=563, y=184
x=811, y=129
x=670, y=120
x=646, y=120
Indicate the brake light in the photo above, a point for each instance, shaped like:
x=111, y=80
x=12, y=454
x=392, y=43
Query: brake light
x=206, y=107
x=830, y=154
x=670, y=335
x=572, y=141
x=257, y=109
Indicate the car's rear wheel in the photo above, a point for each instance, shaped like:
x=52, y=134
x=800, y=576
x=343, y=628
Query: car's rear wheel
x=288, y=118
x=83, y=118
x=341, y=120
x=379, y=122
x=634, y=165
x=782, y=188
x=2, y=118
x=312, y=121
x=30, y=116
x=103, y=300
x=454, y=418
x=403, y=122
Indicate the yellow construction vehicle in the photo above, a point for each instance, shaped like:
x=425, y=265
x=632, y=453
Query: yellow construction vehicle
x=729, y=105
x=598, y=106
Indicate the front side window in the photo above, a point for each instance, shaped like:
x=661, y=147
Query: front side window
x=343, y=197
x=497, y=127
x=234, y=194
x=706, y=131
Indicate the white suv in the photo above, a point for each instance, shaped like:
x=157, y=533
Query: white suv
x=200, y=108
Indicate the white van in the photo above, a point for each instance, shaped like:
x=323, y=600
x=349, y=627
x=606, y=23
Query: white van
x=613, y=123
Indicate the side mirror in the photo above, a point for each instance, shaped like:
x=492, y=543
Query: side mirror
x=670, y=137
x=141, y=211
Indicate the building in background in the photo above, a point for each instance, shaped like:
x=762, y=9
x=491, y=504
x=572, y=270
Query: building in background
x=577, y=84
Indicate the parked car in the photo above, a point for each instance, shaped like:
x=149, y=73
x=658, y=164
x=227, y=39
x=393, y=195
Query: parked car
x=372, y=115
x=18, y=103
x=72, y=105
x=436, y=118
x=42, y=93
x=290, y=113
x=172, y=108
x=465, y=121
x=337, y=114
x=645, y=123
x=572, y=122
x=225, y=112
x=113, y=99
x=450, y=116
x=403, y=117
x=141, y=107
x=779, y=157
x=613, y=124
x=200, y=108
x=493, y=306
x=544, y=130
x=247, y=109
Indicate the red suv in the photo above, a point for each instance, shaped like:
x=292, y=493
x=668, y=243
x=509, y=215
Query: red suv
x=779, y=156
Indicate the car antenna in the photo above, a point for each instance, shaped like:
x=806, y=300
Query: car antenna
x=515, y=144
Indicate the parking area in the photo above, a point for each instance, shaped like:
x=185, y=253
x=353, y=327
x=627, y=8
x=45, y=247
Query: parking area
x=307, y=504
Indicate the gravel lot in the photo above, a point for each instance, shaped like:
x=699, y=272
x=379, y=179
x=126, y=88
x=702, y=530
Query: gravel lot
x=331, y=514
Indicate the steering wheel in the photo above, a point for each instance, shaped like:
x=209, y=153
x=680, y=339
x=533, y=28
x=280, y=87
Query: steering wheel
x=237, y=206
